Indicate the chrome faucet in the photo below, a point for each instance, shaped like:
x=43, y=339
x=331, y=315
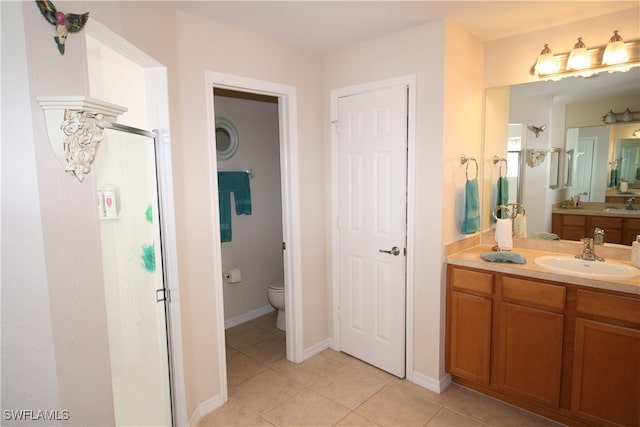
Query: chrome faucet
x=630, y=201
x=588, y=246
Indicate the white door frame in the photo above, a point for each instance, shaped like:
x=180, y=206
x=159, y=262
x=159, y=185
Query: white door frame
x=157, y=104
x=410, y=82
x=289, y=175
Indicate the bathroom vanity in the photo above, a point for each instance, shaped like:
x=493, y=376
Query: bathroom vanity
x=620, y=226
x=560, y=345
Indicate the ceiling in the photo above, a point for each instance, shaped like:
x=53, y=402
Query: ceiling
x=322, y=26
x=326, y=25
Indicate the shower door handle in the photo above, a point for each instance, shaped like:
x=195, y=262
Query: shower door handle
x=162, y=294
x=395, y=251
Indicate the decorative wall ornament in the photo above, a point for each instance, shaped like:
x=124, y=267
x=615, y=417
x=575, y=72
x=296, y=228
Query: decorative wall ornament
x=535, y=157
x=537, y=129
x=76, y=126
x=65, y=23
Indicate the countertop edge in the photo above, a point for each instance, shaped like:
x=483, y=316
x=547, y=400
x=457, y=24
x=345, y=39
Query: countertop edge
x=471, y=258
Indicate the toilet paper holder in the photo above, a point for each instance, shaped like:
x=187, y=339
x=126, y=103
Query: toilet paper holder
x=232, y=275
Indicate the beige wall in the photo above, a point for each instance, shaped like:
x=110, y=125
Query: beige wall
x=508, y=61
x=443, y=58
x=239, y=53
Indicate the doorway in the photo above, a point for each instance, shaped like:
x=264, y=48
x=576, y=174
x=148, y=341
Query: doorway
x=289, y=176
x=373, y=152
x=248, y=149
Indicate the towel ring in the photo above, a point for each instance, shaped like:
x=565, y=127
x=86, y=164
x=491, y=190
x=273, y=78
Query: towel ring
x=500, y=208
x=464, y=159
x=497, y=159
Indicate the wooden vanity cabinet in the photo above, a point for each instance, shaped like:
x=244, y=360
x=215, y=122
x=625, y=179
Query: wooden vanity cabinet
x=606, y=368
x=469, y=324
x=569, y=227
x=566, y=352
x=612, y=227
x=630, y=230
x=530, y=337
x=618, y=230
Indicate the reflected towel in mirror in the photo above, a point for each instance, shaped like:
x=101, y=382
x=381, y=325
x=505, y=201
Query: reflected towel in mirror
x=503, y=196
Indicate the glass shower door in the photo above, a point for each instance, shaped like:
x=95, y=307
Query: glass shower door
x=133, y=275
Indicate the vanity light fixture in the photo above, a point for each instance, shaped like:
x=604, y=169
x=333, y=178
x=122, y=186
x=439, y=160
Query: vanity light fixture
x=615, y=56
x=616, y=51
x=636, y=133
x=546, y=63
x=579, y=57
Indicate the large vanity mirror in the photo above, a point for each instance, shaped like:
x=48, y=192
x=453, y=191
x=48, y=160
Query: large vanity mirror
x=562, y=139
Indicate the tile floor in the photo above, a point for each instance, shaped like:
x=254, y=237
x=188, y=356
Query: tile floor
x=335, y=389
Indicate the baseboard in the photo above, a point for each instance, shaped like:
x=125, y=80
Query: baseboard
x=316, y=349
x=234, y=321
x=431, y=383
x=205, y=408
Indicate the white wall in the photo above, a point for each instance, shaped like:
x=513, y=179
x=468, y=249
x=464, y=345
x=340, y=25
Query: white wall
x=70, y=240
x=536, y=198
x=29, y=379
x=256, y=245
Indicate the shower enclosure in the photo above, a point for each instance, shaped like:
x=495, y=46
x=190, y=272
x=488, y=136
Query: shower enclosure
x=136, y=295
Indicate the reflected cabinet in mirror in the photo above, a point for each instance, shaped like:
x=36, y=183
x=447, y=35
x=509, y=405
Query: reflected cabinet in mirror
x=571, y=147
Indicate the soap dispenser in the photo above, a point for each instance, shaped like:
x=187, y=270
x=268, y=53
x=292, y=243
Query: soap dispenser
x=635, y=252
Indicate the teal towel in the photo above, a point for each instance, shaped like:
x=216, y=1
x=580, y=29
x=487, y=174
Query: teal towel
x=503, y=195
x=238, y=184
x=613, y=181
x=503, y=257
x=545, y=236
x=471, y=222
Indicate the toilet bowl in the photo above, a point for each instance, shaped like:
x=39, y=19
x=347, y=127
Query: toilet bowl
x=275, y=294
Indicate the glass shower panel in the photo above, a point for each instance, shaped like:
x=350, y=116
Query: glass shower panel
x=132, y=261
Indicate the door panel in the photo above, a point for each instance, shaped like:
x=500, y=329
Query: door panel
x=584, y=165
x=372, y=152
x=133, y=272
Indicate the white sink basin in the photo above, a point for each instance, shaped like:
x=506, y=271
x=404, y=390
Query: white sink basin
x=623, y=211
x=591, y=269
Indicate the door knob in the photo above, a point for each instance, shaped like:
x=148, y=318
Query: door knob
x=395, y=251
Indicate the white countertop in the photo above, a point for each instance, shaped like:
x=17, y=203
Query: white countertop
x=471, y=258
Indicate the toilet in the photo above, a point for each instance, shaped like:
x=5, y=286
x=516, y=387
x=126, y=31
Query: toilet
x=275, y=294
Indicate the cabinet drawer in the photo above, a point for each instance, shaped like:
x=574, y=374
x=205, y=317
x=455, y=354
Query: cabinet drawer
x=632, y=224
x=533, y=293
x=611, y=306
x=606, y=222
x=579, y=220
x=472, y=281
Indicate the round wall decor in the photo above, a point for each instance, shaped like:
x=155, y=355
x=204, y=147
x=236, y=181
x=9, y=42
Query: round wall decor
x=226, y=139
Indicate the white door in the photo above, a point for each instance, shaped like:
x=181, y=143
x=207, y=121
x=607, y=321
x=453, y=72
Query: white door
x=372, y=164
x=584, y=166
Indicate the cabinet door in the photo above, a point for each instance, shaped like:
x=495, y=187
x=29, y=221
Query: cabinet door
x=530, y=349
x=606, y=374
x=469, y=336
